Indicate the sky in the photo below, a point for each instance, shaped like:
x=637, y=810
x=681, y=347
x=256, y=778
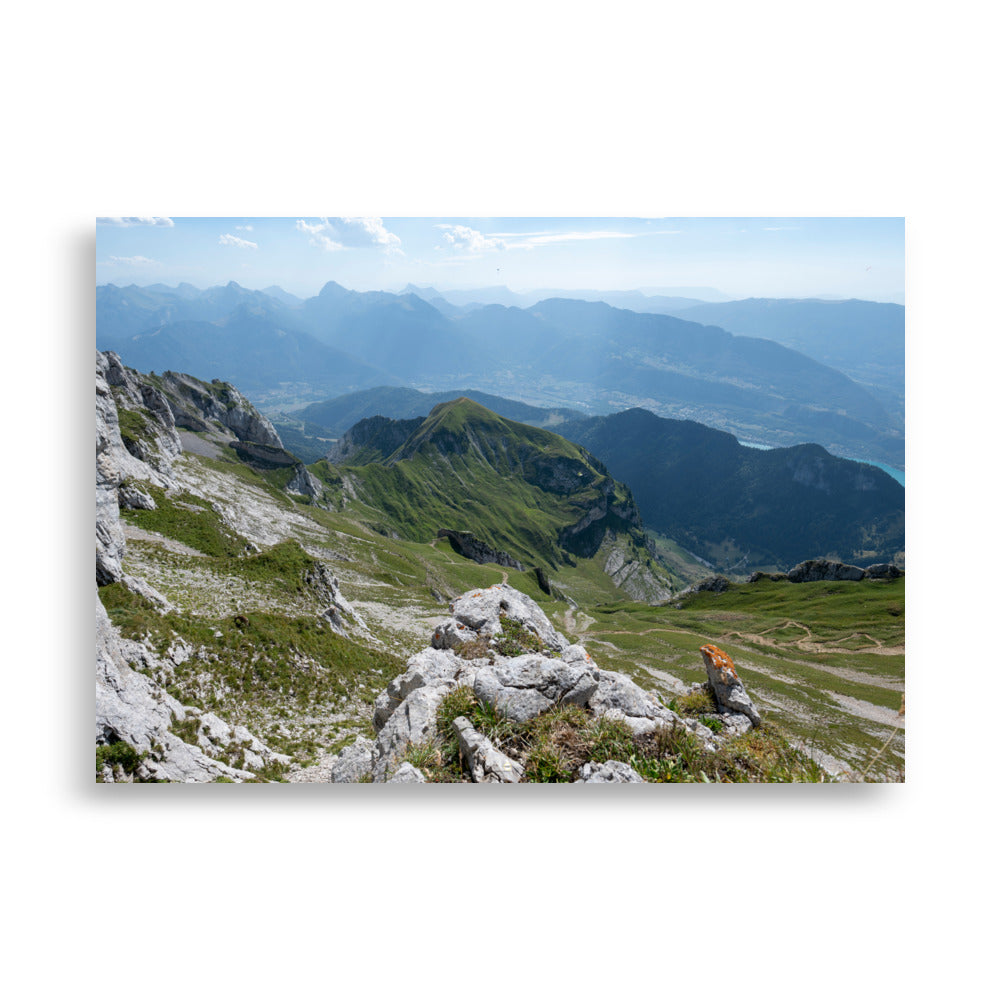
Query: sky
x=739, y=257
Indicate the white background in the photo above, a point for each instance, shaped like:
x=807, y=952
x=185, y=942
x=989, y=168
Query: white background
x=775, y=109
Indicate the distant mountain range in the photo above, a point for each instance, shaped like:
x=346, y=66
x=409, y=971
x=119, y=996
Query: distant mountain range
x=567, y=353
x=865, y=340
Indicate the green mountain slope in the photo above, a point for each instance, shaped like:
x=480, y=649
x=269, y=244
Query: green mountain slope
x=519, y=489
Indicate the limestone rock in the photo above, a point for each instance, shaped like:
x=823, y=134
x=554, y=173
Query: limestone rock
x=130, y=497
x=527, y=685
x=354, y=762
x=132, y=708
x=195, y=405
x=429, y=667
x=481, y=757
x=480, y=610
x=619, y=697
x=610, y=772
x=407, y=775
x=305, y=484
x=728, y=688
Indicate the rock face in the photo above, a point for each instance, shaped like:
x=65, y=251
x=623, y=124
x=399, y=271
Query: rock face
x=728, y=688
x=195, y=405
x=467, y=545
x=131, y=708
x=519, y=686
x=117, y=387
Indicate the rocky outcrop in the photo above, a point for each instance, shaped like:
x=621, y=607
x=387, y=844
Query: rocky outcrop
x=305, y=484
x=726, y=684
x=814, y=570
x=479, y=614
x=146, y=423
x=711, y=585
x=133, y=709
x=631, y=574
x=118, y=389
x=130, y=707
x=525, y=686
x=519, y=686
x=339, y=613
x=467, y=545
x=355, y=762
x=199, y=406
x=607, y=514
x=883, y=571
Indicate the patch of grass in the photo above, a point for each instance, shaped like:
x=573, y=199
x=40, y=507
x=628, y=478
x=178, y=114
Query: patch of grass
x=700, y=701
x=515, y=639
x=187, y=519
x=118, y=754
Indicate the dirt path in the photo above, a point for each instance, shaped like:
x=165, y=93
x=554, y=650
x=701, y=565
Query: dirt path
x=809, y=644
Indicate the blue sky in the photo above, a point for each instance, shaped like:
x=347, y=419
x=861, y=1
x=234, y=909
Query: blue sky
x=741, y=257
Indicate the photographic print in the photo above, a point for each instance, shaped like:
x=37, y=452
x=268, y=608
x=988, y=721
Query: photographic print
x=500, y=500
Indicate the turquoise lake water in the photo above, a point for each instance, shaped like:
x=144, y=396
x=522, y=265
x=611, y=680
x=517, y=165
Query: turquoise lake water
x=896, y=474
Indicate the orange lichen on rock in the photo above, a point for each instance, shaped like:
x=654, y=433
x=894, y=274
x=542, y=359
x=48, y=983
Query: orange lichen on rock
x=721, y=661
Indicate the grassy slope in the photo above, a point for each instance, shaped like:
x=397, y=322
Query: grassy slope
x=467, y=469
x=798, y=647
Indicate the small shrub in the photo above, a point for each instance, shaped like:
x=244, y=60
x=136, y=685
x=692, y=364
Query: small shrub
x=712, y=722
x=118, y=754
x=515, y=639
x=700, y=701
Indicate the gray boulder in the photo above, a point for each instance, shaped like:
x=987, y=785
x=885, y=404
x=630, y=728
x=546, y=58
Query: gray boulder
x=610, y=772
x=131, y=497
x=407, y=775
x=527, y=685
x=883, y=571
x=480, y=610
x=619, y=697
x=354, y=762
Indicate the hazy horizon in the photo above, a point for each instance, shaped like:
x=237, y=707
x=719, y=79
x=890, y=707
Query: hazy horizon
x=738, y=258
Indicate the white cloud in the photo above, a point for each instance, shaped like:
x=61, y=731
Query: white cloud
x=228, y=240
x=525, y=241
x=356, y=232
x=467, y=240
x=246, y=229
x=131, y=261
x=135, y=220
